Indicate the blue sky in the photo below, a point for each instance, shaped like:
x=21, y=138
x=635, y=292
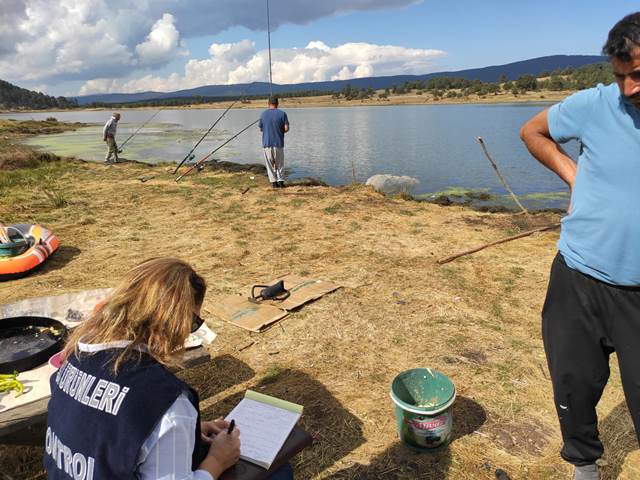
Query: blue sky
x=119, y=46
x=474, y=33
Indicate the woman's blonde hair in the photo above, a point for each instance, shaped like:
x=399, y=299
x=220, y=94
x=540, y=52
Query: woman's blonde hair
x=153, y=307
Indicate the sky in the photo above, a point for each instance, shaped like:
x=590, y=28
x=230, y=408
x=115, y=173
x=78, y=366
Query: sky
x=80, y=47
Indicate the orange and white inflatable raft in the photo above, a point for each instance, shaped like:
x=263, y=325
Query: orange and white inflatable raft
x=29, y=247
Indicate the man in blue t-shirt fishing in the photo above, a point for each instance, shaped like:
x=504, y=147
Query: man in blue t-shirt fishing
x=273, y=125
x=593, y=300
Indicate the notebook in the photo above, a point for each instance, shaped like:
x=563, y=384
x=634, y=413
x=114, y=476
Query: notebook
x=265, y=423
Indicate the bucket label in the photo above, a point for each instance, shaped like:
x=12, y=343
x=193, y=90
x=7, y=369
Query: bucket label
x=432, y=424
x=426, y=431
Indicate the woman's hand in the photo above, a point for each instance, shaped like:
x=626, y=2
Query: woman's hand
x=212, y=428
x=224, y=452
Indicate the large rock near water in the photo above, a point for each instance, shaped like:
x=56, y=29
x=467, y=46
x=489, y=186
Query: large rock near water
x=390, y=184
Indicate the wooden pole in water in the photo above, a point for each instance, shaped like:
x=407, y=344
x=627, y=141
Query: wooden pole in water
x=504, y=182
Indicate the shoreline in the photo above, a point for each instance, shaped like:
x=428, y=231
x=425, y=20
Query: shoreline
x=327, y=101
x=478, y=199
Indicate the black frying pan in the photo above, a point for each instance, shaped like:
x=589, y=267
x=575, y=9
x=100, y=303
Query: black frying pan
x=27, y=342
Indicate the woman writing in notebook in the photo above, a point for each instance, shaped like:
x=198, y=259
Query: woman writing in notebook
x=116, y=411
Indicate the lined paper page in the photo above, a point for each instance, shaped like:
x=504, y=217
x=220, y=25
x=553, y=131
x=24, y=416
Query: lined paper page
x=263, y=430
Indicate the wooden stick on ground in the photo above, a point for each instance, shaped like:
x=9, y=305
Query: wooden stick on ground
x=442, y=261
x=495, y=167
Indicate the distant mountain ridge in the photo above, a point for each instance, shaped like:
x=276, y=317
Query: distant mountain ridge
x=534, y=66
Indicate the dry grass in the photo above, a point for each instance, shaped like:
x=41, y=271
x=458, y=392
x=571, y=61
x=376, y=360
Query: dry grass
x=476, y=319
x=405, y=99
x=15, y=156
x=35, y=127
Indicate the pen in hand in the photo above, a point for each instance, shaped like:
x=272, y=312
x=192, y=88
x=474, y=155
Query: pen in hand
x=232, y=425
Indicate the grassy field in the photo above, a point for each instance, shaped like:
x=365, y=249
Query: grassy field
x=475, y=319
x=410, y=98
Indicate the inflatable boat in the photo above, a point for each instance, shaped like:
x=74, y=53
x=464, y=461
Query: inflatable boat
x=29, y=247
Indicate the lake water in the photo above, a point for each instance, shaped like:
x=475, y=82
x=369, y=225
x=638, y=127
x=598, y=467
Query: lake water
x=434, y=143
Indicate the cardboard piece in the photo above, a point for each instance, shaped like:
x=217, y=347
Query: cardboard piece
x=242, y=313
x=70, y=309
x=303, y=290
x=36, y=387
x=73, y=308
x=237, y=309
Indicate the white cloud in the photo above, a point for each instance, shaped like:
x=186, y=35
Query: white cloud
x=76, y=45
x=71, y=40
x=12, y=14
x=233, y=63
x=162, y=44
x=232, y=52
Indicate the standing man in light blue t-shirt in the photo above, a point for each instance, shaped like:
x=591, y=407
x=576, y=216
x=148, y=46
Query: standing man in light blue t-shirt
x=273, y=125
x=592, y=307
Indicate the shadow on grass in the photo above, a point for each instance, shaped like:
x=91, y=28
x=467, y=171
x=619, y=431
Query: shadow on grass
x=59, y=259
x=216, y=376
x=400, y=462
x=335, y=431
x=619, y=438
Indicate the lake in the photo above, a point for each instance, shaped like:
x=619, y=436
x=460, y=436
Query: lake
x=434, y=143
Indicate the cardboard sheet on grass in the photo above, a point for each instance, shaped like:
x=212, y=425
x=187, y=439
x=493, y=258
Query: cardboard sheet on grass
x=70, y=309
x=238, y=310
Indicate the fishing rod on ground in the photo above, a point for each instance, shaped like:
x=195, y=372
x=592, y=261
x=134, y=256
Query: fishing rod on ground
x=139, y=128
x=199, y=163
x=190, y=155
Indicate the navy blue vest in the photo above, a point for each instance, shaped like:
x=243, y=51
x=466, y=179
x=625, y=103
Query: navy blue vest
x=98, y=421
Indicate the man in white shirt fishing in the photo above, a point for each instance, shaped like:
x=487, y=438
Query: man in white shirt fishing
x=109, y=136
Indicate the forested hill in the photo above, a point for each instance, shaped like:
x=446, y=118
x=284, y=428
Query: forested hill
x=534, y=66
x=14, y=97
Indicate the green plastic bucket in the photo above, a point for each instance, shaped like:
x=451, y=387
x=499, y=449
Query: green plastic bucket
x=423, y=398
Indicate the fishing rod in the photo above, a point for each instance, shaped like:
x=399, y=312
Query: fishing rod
x=269, y=42
x=190, y=155
x=139, y=128
x=203, y=159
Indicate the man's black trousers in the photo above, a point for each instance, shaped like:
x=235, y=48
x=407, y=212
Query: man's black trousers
x=584, y=321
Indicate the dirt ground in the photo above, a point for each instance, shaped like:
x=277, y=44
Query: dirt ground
x=476, y=319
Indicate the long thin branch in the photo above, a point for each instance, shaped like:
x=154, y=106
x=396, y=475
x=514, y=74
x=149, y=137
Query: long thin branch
x=502, y=179
x=448, y=259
